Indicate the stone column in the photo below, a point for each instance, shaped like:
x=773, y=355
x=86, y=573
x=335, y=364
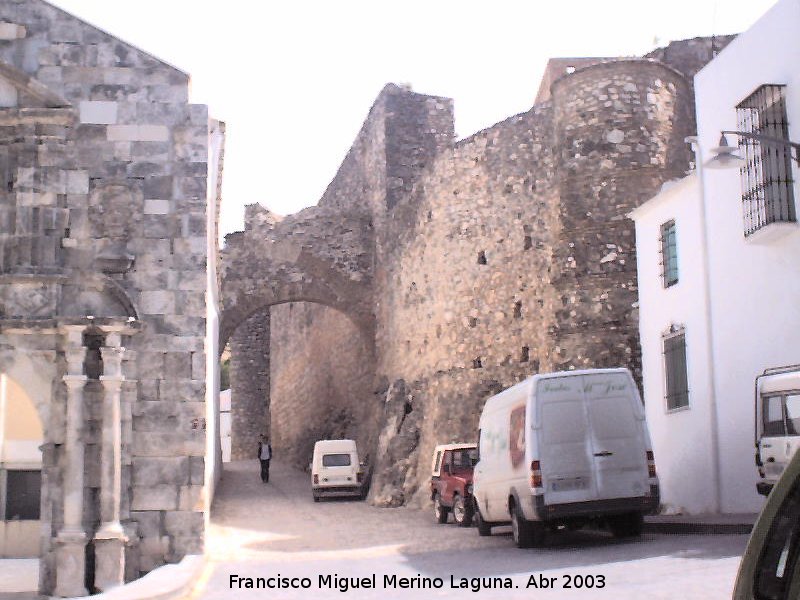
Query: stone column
x=71, y=539
x=109, y=541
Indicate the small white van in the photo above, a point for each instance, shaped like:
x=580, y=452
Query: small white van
x=777, y=420
x=562, y=450
x=335, y=469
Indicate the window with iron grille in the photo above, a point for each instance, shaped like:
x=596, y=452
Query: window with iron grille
x=669, y=254
x=767, y=195
x=677, y=380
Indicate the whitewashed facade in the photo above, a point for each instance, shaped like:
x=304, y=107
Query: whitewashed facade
x=746, y=287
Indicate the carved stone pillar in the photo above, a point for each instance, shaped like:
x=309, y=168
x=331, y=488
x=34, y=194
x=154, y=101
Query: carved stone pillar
x=110, y=539
x=71, y=539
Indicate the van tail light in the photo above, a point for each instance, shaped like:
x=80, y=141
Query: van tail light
x=360, y=476
x=316, y=479
x=651, y=464
x=536, y=474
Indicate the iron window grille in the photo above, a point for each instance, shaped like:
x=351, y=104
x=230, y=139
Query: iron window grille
x=675, y=370
x=669, y=254
x=767, y=189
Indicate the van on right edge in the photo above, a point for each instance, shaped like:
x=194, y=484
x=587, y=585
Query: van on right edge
x=565, y=449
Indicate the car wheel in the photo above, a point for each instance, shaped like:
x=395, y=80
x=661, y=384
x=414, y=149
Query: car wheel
x=626, y=526
x=439, y=510
x=484, y=528
x=525, y=533
x=315, y=495
x=462, y=511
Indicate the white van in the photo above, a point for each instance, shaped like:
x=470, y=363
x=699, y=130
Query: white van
x=777, y=423
x=565, y=449
x=335, y=469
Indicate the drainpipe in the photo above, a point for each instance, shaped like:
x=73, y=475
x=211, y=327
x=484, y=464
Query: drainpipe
x=712, y=388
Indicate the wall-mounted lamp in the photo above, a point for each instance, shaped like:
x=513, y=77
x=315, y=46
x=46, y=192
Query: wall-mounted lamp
x=725, y=155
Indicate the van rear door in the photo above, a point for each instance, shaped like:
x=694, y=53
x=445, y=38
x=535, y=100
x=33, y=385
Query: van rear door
x=617, y=437
x=563, y=441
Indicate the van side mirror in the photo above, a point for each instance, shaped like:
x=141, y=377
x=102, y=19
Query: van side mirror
x=446, y=469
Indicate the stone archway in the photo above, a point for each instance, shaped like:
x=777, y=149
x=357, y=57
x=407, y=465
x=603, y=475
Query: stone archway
x=24, y=400
x=317, y=256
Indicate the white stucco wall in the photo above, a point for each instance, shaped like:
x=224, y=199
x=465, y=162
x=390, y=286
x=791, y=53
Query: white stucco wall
x=681, y=438
x=755, y=285
x=213, y=471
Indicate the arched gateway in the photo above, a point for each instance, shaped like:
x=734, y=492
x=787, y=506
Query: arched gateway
x=318, y=255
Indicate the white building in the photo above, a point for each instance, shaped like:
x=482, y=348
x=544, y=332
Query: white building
x=719, y=274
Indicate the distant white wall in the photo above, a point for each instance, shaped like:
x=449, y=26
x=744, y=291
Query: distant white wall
x=225, y=424
x=216, y=144
x=755, y=284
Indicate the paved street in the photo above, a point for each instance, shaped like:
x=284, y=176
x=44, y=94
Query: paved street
x=276, y=530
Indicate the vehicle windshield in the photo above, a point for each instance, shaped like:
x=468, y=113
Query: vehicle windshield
x=781, y=415
x=465, y=458
x=335, y=460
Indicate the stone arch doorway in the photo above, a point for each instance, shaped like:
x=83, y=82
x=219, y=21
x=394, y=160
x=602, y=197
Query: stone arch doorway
x=315, y=265
x=266, y=361
x=21, y=440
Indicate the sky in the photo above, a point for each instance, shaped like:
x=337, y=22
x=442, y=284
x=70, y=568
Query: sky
x=294, y=80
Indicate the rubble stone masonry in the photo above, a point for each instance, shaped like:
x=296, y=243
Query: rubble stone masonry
x=495, y=257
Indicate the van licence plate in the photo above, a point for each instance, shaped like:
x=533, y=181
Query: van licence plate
x=566, y=485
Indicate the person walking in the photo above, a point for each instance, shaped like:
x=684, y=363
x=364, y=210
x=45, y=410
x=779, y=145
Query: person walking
x=264, y=456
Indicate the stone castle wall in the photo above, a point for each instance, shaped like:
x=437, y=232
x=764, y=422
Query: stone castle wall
x=322, y=387
x=250, y=383
x=505, y=254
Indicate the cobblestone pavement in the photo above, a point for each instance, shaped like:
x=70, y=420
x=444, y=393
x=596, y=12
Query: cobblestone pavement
x=276, y=530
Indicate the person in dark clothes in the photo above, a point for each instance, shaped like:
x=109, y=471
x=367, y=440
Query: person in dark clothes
x=264, y=456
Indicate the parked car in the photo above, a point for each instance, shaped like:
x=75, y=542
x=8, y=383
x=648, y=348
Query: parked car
x=770, y=569
x=451, y=482
x=336, y=470
x=565, y=449
x=777, y=423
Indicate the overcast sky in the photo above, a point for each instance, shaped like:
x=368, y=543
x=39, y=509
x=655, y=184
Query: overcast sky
x=293, y=80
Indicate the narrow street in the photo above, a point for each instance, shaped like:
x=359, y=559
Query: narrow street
x=276, y=530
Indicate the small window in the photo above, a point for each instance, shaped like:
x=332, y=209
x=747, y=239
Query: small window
x=23, y=495
x=773, y=416
x=438, y=463
x=793, y=414
x=335, y=460
x=677, y=380
x=669, y=254
x=767, y=188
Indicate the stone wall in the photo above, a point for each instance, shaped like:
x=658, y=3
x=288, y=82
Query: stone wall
x=103, y=229
x=500, y=256
x=250, y=381
x=322, y=388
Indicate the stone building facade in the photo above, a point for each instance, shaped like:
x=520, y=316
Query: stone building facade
x=105, y=220
x=492, y=258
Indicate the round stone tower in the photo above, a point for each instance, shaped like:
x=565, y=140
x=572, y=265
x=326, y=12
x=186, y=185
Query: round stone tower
x=619, y=129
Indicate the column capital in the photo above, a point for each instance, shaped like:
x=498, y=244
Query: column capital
x=112, y=382
x=111, y=531
x=73, y=334
x=75, y=381
x=70, y=535
x=112, y=360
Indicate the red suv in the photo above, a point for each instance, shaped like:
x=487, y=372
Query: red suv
x=451, y=482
